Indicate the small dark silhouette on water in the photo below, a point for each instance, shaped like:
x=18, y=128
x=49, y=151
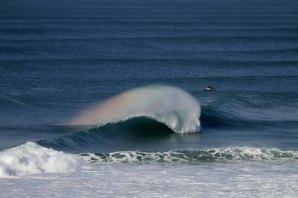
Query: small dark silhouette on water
x=209, y=88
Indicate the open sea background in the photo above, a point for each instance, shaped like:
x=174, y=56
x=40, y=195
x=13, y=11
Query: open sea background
x=59, y=57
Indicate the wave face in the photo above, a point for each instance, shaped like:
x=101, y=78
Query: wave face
x=169, y=105
x=133, y=134
x=196, y=156
x=30, y=158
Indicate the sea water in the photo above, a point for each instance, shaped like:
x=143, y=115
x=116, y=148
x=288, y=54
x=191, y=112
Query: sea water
x=105, y=98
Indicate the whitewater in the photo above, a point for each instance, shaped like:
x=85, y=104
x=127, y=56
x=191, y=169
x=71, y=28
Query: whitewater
x=32, y=159
x=32, y=170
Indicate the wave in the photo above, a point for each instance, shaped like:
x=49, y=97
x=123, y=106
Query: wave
x=236, y=114
x=31, y=158
x=196, y=156
x=168, y=105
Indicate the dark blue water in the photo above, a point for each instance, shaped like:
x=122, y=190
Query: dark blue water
x=58, y=57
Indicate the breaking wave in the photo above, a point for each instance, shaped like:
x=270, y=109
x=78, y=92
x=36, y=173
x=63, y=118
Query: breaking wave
x=168, y=105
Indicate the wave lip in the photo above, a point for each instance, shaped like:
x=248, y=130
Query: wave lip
x=196, y=156
x=30, y=158
x=169, y=105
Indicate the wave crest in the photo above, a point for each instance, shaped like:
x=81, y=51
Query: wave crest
x=169, y=105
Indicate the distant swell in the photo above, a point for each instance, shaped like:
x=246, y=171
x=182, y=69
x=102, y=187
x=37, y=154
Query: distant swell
x=168, y=105
x=249, y=112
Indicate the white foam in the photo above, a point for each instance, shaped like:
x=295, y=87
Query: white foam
x=204, y=155
x=30, y=158
x=273, y=179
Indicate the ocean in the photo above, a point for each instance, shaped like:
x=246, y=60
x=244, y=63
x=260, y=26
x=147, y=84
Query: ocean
x=105, y=98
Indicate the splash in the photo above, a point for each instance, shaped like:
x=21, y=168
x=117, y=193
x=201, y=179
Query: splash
x=169, y=105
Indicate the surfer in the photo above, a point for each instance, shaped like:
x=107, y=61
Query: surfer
x=209, y=88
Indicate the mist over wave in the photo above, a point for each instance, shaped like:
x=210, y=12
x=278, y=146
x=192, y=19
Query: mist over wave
x=169, y=105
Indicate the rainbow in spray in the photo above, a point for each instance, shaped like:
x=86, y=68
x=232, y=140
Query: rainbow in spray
x=169, y=105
